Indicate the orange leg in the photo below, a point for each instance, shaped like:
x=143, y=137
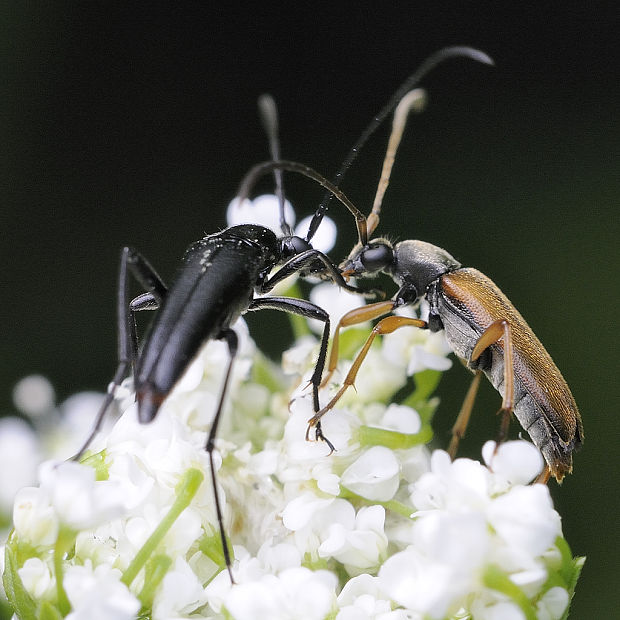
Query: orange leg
x=544, y=475
x=384, y=326
x=462, y=420
x=354, y=317
x=491, y=335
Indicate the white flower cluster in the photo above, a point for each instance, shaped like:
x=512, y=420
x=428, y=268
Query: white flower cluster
x=380, y=529
x=51, y=432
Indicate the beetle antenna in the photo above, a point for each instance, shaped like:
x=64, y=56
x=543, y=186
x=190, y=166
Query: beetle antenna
x=413, y=101
x=428, y=65
x=268, y=112
x=259, y=170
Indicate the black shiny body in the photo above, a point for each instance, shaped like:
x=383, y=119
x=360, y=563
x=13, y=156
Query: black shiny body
x=215, y=284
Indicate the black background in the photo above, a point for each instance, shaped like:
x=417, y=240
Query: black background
x=135, y=123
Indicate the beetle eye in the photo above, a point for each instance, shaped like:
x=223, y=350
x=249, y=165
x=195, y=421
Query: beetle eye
x=376, y=257
x=292, y=246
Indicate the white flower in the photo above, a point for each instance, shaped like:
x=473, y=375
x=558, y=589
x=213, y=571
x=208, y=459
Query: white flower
x=497, y=610
x=525, y=519
x=37, y=578
x=401, y=419
x=295, y=361
x=451, y=485
x=34, y=395
x=325, y=237
x=278, y=557
x=263, y=210
x=248, y=568
x=335, y=301
x=362, y=599
x=18, y=444
x=180, y=594
x=374, y=475
x=73, y=421
x=97, y=594
x=360, y=545
x=303, y=510
x=553, y=604
x=519, y=462
x=420, y=347
x=338, y=426
x=294, y=593
x=78, y=500
x=34, y=518
x=400, y=532
x=377, y=380
x=436, y=572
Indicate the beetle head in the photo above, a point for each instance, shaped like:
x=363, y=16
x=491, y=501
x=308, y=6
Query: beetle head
x=368, y=260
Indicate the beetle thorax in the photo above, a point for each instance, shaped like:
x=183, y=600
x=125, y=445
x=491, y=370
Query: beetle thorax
x=420, y=263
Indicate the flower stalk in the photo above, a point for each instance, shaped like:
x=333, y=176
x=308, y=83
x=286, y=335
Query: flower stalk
x=188, y=486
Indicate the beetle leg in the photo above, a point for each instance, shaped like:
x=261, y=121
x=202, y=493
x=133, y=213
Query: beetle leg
x=309, y=310
x=544, y=475
x=462, y=419
x=131, y=261
x=492, y=334
x=305, y=259
x=294, y=306
x=384, y=326
x=232, y=341
x=354, y=317
x=148, y=278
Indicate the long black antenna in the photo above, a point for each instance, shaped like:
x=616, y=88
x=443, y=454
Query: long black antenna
x=268, y=112
x=259, y=170
x=430, y=63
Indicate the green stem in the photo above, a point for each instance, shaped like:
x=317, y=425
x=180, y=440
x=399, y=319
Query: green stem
x=22, y=603
x=392, y=504
x=64, y=542
x=186, y=490
x=155, y=571
x=495, y=579
x=211, y=546
x=372, y=436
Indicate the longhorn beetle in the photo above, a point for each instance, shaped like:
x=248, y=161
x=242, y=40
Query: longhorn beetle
x=481, y=325
x=215, y=284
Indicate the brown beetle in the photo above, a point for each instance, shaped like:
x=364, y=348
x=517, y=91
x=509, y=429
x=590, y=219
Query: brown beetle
x=481, y=325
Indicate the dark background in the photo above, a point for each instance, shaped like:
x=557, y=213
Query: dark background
x=135, y=125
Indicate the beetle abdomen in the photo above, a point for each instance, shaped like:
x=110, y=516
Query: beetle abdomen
x=212, y=289
x=468, y=302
